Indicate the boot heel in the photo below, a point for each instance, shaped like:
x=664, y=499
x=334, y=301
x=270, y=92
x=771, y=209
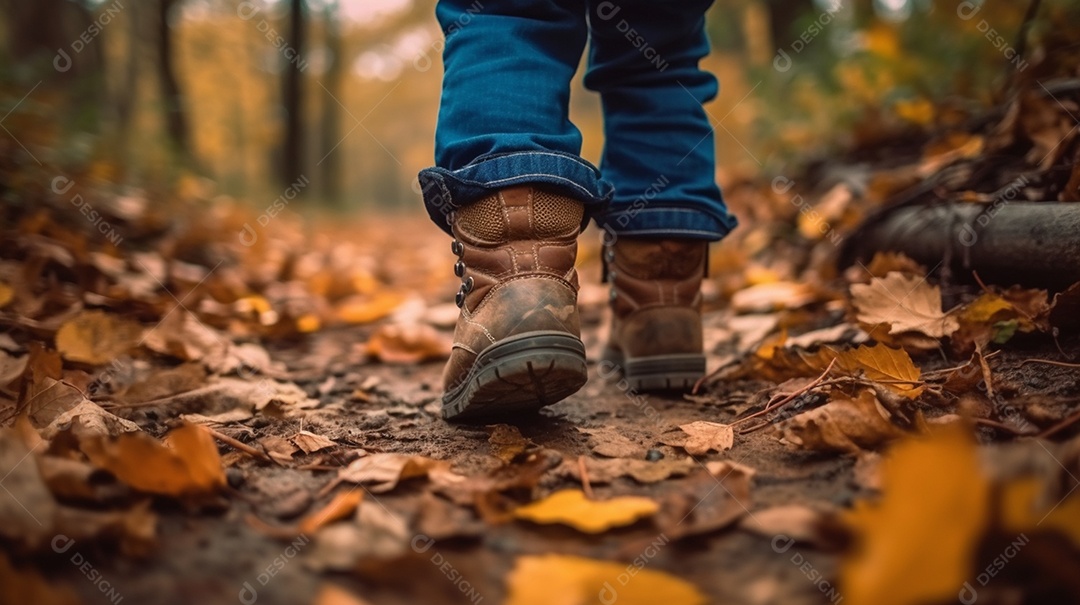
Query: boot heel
x=675, y=372
x=518, y=375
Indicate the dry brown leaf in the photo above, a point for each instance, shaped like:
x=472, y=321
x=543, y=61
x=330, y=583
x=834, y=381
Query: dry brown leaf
x=841, y=425
x=11, y=367
x=376, y=533
x=884, y=263
x=279, y=448
x=408, y=343
x=88, y=419
x=186, y=464
x=609, y=442
x=703, y=437
x=763, y=298
x=383, y=471
x=707, y=501
x=605, y=470
x=310, y=442
x=506, y=442
x=934, y=493
x=571, y=507
x=97, y=338
x=53, y=399
x=580, y=581
x=798, y=522
x=904, y=303
x=27, y=507
x=182, y=335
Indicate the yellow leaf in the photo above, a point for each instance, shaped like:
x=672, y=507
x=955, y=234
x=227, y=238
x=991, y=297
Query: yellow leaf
x=366, y=309
x=187, y=465
x=1021, y=511
x=917, y=111
x=569, y=580
x=308, y=323
x=342, y=506
x=917, y=544
x=97, y=338
x=571, y=507
x=883, y=363
x=6, y=294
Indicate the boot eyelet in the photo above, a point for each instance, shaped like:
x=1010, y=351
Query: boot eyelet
x=459, y=299
x=457, y=248
x=468, y=285
x=459, y=268
x=609, y=254
x=612, y=295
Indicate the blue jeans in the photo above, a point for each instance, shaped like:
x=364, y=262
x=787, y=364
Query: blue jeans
x=504, y=121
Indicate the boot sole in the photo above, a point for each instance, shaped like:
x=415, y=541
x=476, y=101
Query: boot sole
x=672, y=372
x=517, y=376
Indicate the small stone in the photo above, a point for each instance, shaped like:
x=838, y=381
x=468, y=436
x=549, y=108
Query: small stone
x=654, y=455
x=235, y=477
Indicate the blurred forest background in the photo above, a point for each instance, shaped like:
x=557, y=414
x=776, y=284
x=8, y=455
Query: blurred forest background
x=246, y=99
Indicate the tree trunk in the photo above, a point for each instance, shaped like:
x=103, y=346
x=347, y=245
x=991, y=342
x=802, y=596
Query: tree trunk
x=330, y=130
x=176, y=121
x=292, y=97
x=1028, y=243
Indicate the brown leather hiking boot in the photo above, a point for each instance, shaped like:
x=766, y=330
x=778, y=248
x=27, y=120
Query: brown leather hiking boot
x=656, y=334
x=517, y=344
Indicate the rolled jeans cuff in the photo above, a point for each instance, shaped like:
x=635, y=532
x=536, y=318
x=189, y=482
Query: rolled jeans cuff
x=666, y=222
x=445, y=190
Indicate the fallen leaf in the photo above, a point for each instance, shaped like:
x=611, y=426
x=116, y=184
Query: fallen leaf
x=934, y=492
x=882, y=363
x=7, y=293
x=609, y=442
x=332, y=594
x=904, y=303
x=706, y=501
x=605, y=470
x=186, y=464
x=27, y=507
x=310, y=442
x=843, y=425
x=342, y=506
x=362, y=309
x=11, y=367
x=535, y=580
x=279, y=448
x=88, y=419
x=408, y=343
x=801, y=523
x=571, y=507
x=26, y=585
x=384, y=471
x=703, y=437
x=97, y=338
x=376, y=533
x=183, y=336
x=53, y=399
x=506, y=442
x=763, y=298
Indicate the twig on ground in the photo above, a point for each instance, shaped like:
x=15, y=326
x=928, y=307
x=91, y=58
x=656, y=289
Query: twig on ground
x=1061, y=364
x=240, y=446
x=1064, y=424
x=585, y=485
x=812, y=385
